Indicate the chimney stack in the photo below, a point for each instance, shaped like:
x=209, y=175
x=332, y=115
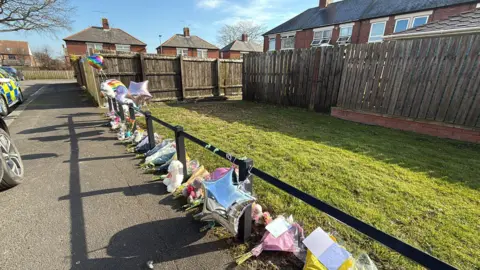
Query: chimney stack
x=324, y=3
x=105, y=24
x=186, y=31
x=245, y=37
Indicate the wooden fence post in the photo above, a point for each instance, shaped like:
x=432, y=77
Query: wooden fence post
x=182, y=78
x=181, y=152
x=151, y=139
x=142, y=65
x=218, y=79
x=245, y=223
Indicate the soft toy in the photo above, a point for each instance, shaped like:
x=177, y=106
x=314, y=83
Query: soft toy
x=257, y=212
x=175, y=176
x=193, y=191
x=260, y=217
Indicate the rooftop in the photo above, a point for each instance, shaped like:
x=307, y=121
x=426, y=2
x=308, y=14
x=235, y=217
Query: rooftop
x=354, y=10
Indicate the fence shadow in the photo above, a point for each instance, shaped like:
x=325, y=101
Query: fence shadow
x=416, y=152
x=160, y=241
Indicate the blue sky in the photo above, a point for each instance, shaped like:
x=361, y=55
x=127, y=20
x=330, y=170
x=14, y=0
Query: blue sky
x=146, y=19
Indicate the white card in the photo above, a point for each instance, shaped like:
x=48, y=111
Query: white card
x=278, y=226
x=317, y=242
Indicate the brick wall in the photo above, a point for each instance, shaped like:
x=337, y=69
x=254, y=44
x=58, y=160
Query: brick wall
x=80, y=48
x=278, y=42
x=137, y=48
x=361, y=29
x=191, y=52
x=76, y=47
x=265, y=43
x=231, y=55
x=303, y=39
x=213, y=53
x=355, y=32
x=423, y=127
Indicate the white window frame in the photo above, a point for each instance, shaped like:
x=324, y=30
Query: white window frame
x=201, y=53
x=94, y=46
x=318, y=41
x=284, y=36
x=411, y=18
x=182, y=51
x=401, y=19
x=414, y=18
x=122, y=48
x=270, y=39
x=342, y=40
x=372, y=23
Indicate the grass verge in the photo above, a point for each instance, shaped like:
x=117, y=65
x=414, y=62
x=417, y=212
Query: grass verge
x=420, y=189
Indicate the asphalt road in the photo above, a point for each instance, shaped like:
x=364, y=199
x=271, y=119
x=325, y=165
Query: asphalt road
x=82, y=204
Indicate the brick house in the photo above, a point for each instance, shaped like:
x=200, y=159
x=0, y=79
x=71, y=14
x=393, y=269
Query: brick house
x=238, y=48
x=465, y=23
x=103, y=38
x=15, y=53
x=359, y=21
x=188, y=45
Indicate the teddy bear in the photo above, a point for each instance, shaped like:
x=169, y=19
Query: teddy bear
x=193, y=191
x=175, y=176
x=260, y=217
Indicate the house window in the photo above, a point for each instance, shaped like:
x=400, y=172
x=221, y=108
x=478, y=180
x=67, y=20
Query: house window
x=407, y=21
x=288, y=41
x=242, y=54
x=11, y=57
x=122, y=48
x=271, y=44
x=321, y=36
x=94, y=46
x=401, y=25
x=201, y=53
x=345, y=34
x=182, y=51
x=376, y=32
x=417, y=21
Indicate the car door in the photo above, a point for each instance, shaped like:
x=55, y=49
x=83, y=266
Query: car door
x=9, y=90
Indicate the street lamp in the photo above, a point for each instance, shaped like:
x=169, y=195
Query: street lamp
x=160, y=37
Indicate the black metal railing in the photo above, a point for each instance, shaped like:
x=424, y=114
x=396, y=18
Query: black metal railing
x=247, y=170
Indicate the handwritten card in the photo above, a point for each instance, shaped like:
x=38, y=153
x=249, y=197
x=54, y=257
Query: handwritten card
x=278, y=226
x=318, y=242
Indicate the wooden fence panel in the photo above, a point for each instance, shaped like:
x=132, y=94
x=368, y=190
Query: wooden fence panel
x=48, y=74
x=172, y=77
x=308, y=78
x=428, y=79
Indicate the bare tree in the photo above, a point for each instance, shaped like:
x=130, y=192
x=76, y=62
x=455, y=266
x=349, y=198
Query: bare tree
x=37, y=15
x=46, y=60
x=229, y=33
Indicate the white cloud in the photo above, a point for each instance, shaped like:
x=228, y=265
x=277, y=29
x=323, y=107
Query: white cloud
x=209, y=4
x=268, y=12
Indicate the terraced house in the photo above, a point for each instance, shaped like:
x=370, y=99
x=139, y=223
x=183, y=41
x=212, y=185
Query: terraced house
x=359, y=21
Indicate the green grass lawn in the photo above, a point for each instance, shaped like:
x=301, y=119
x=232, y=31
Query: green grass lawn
x=423, y=190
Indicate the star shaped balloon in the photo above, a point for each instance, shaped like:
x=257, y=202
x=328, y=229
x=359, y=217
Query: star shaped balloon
x=224, y=202
x=224, y=192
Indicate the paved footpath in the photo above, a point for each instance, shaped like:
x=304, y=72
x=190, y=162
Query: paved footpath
x=83, y=205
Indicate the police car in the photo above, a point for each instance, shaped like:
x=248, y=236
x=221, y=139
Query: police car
x=11, y=93
x=11, y=164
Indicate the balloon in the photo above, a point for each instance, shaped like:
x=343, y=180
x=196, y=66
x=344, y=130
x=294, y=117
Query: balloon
x=96, y=61
x=109, y=87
